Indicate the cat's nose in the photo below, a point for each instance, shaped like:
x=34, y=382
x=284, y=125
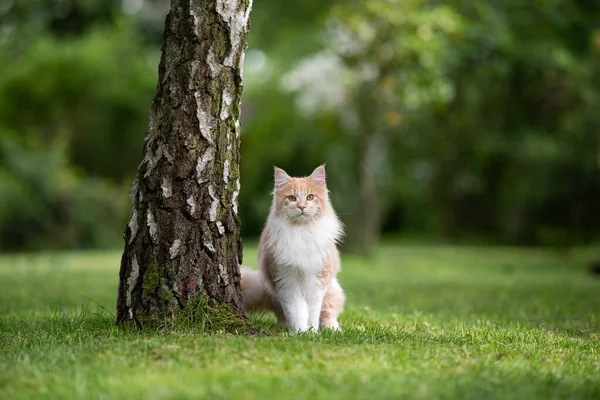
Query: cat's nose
x=301, y=208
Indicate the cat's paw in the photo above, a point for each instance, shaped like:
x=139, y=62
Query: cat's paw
x=334, y=326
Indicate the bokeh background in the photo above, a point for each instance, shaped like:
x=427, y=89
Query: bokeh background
x=463, y=121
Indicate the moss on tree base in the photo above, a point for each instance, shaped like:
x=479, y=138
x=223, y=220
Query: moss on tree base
x=206, y=314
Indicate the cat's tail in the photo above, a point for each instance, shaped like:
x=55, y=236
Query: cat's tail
x=253, y=291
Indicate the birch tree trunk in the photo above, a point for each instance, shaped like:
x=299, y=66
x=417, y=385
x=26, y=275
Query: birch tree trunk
x=182, y=243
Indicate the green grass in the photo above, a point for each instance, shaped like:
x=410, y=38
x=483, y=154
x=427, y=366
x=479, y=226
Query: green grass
x=421, y=322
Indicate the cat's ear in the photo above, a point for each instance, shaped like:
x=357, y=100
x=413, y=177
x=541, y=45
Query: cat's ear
x=281, y=177
x=318, y=175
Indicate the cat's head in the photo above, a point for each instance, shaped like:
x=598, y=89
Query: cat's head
x=301, y=200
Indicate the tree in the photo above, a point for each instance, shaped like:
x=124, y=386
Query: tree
x=453, y=122
x=182, y=243
x=383, y=61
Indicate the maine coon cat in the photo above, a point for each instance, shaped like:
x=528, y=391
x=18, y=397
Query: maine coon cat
x=298, y=257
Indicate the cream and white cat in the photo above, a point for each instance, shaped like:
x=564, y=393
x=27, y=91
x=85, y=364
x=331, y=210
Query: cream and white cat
x=298, y=257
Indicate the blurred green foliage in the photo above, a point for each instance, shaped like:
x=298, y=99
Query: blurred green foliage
x=448, y=119
x=73, y=111
x=46, y=203
x=482, y=115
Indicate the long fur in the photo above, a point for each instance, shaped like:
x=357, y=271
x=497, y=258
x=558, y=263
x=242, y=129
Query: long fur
x=298, y=257
x=252, y=289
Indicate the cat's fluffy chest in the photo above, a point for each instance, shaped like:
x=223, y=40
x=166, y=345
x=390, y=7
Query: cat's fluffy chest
x=304, y=246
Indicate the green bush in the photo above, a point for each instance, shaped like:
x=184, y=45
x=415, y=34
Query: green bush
x=484, y=114
x=45, y=203
x=93, y=90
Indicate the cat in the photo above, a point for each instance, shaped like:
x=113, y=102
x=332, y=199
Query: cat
x=298, y=257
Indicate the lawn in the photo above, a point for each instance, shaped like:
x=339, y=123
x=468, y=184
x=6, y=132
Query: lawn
x=421, y=322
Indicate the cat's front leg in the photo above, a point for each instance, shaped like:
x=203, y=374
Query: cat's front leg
x=314, y=309
x=296, y=314
x=294, y=306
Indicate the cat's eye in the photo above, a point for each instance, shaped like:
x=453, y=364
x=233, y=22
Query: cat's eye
x=310, y=197
x=292, y=198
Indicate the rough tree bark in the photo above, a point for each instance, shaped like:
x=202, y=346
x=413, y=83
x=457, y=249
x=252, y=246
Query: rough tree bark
x=182, y=244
